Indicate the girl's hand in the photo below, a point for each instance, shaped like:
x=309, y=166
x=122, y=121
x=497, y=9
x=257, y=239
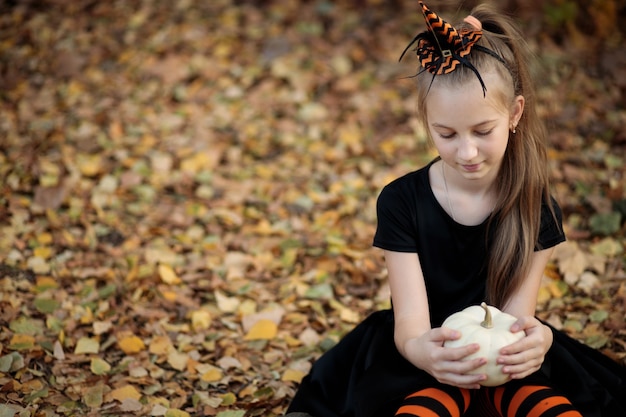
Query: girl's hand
x=525, y=356
x=445, y=364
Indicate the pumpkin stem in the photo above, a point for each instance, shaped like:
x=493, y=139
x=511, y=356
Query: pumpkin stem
x=488, y=322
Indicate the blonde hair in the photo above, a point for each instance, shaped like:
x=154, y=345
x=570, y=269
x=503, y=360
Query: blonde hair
x=522, y=183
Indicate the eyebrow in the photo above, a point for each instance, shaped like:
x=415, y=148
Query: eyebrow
x=481, y=124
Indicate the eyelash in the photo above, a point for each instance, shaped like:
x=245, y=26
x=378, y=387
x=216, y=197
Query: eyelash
x=483, y=133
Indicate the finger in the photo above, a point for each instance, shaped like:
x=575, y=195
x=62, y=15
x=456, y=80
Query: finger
x=523, y=373
x=463, y=367
x=518, y=325
x=524, y=323
x=461, y=352
x=521, y=357
x=469, y=381
x=514, y=348
x=447, y=333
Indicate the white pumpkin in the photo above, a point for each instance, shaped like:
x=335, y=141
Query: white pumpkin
x=489, y=327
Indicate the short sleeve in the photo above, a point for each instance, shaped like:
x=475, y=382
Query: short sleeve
x=396, y=229
x=551, y=229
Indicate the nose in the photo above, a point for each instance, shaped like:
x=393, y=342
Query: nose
x=467, y=150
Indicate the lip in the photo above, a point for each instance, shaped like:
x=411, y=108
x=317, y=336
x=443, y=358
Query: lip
x=471, y=168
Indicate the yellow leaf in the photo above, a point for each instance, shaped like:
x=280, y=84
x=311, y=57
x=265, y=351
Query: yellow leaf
x=544, y=295
x=125, y=392
x=226, y=304
x=169, y=295
x=43, y=252
x=177, y=360
x=133, y=272
x=556, y=288
x=44, y=238
x=262, y=329
x=46, y=282
x=292, y=341
x=89, y=165
x=160, y=345
x=116, y=131
x=99, y=366
x=200, y=320
x=87, y=345
x=22, y=342
x=228, y=399
x=212, y=375
x=131, y=344
x=174, y=412
x=352, y=137
x=196, y=163
x=350, y=316
x=87, y=316
x=293, y=375
x=168, y=275
x=249, y=390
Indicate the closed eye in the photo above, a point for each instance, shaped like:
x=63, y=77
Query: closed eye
x=484, y=132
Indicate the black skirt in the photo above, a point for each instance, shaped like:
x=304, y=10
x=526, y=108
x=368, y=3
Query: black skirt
x=364, y=375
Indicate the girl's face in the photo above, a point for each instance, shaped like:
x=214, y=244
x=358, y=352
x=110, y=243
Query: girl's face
x=471, y=131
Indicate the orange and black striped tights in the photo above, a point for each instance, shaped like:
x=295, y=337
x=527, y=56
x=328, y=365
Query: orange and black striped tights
x=505, y=401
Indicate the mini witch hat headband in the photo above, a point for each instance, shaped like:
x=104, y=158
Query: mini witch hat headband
x=441, y=48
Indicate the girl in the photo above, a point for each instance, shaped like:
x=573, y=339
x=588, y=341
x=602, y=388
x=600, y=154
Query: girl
x=477, y=223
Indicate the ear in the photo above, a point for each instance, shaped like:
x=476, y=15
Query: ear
x=517, y=109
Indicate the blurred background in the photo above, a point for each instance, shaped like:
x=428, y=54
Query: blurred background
x=188, y=190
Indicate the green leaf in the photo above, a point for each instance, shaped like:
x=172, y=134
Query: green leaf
x=106, y=291
x=46, y=305
x=43, y=393
x=607, y=247
x=99, y=366
x=598, y=316
x=605, y=223
x=233, y=413
x=11, y=362
x=6, y=411
x=321, y=291
x=94, y=396
x=597, y=341
x=25, y=325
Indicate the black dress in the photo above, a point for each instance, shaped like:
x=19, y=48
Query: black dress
x=365, y=376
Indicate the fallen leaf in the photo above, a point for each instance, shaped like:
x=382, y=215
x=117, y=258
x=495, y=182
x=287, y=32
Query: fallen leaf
x=212, y=375
x=99, y=366
x=177, y=360
x=226, y=304
x=11, y=362
x=262, y=330
x=292, y=375
x=160, y=345
x=168, y=275
x=231, y=413
x=200, y=320
x=131, y=344
x=173, y=412
x=87, y=345
x=22, y=342
x=93, y=397
x=130, y=405
x=125, y=392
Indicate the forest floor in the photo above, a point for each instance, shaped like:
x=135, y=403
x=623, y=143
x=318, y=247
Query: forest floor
x=188, y=193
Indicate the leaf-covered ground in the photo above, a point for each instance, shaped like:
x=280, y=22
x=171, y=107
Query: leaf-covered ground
x=188, y=190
